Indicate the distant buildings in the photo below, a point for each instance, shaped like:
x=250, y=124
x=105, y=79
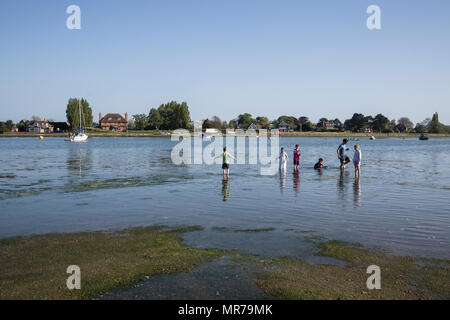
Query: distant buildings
x=283, y=127
x=39, y=126
x=325, y=124
x=252, y=126
x=113, y=121
x=368, y=129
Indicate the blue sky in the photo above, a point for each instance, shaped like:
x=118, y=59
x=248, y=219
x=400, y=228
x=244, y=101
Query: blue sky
x=268, y=58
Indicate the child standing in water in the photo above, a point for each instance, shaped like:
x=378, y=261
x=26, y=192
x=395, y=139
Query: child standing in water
x=226, y=161
x=357, y=156
x=297, y=154
x=283, y=160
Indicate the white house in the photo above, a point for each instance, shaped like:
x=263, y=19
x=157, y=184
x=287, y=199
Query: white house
x=40, y=126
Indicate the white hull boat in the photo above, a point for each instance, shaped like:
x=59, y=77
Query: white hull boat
x=82, y=137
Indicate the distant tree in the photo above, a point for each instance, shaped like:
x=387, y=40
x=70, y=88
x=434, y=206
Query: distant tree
x=207, y=124
x=301, y=122
x=435, y=126
x=380, y=123
x=233, y=124
x=244, y=120
x=154, y=120
x=263, y=122
x=216, y=122
x=338, y=125
x=224, y=124
x=73, y=113
x=422, y=127
x=291, y=121
x=322, y=122
x=369, y=122
x=304, y=124
x=404, y=124
x=21, y=126
x=357, y=123
x=131, y=124
x=35, y=118
x=392, y=126
x=9, y=125
x=174, y=115
x=140, y=121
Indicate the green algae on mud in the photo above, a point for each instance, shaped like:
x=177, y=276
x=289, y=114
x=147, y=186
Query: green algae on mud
x=401, y=277
x=35, y=267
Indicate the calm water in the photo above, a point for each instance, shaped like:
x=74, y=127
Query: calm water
x=401, y=202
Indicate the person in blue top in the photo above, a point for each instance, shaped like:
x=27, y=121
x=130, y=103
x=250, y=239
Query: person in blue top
x=342, y=154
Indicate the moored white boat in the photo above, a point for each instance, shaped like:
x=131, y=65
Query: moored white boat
x=79, y=136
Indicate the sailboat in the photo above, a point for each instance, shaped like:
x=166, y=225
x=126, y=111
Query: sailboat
x=79, y=136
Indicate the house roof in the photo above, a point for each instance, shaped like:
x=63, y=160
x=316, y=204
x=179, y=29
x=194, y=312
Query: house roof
x=40, y=123
x=113, y=118
x=283, y=124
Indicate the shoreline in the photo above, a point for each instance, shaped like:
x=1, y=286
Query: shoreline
x=282, y=135
x=35, y=268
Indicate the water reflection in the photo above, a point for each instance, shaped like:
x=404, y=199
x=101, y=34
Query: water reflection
x=79, y=160
x=343, y=177
x=319, y=172
x=296, y=182
x=225, y=188
x=283, y=180
x=357, y=192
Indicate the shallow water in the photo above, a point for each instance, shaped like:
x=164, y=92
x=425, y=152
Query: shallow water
x=400, y=203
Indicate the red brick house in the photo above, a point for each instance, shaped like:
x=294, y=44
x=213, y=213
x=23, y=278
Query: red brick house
x=113, y=121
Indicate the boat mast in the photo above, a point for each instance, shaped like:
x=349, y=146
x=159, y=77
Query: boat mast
x=79, y=110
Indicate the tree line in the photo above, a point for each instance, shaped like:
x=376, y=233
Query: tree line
x=357, y=123
x=174, y=115
x=169, y=116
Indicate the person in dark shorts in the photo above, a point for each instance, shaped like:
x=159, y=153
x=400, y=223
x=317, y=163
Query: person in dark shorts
x=226, y=161
x=297, y=154
x=342, y=154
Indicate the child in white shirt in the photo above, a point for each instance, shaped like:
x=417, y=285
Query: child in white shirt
x=357, y=160
x=283, y=160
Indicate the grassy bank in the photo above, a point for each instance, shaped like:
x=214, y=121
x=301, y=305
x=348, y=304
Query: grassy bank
x=35, y=267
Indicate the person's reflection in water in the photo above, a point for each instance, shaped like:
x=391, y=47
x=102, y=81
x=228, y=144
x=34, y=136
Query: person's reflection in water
x=225, y=188
x=357, y=192
x=319, y=171
x=283, y=180
x=343, y=176
x=296, y=182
